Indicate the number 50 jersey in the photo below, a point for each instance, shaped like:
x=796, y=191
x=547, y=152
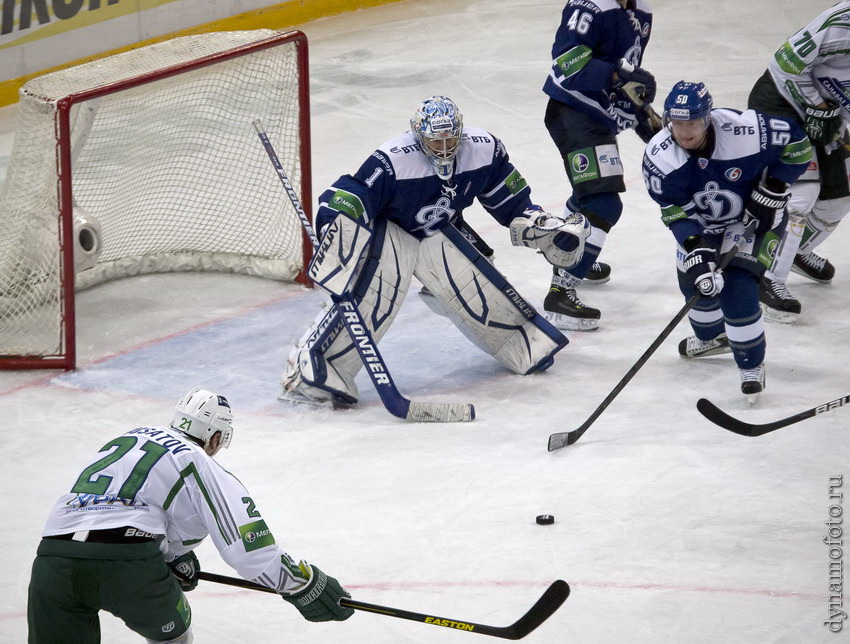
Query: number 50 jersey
x=157, y=480
x=710, y=190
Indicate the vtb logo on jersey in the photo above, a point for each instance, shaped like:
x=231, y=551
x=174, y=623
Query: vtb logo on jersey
x=716, y=204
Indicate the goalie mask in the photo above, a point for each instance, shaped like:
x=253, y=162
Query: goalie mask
x=201, y=414
x=438, y=127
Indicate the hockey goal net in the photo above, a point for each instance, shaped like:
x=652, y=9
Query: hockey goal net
x=147, y=161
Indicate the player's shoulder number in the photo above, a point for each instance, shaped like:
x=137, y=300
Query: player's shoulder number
x=580, y=21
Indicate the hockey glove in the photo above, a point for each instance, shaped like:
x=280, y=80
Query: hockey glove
x=823, y=124
x=648, y=124
x=318, y=601
x=644, y=83
x=186, y=569
x=700, y=267
x=766, y=206
x=560, y=240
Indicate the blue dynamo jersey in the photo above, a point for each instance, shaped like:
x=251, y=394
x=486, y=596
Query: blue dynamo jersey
x=700, y=195
x=592, y=37
x=397, y=182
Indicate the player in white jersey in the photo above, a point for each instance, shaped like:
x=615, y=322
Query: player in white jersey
x=409, y=197
x=712, y=171
x=122, y=538
x=808, y=80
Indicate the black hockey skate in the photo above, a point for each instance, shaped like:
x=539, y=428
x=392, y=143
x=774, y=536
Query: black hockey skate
x=563, y=309
x=753, y=382
x=599, y=273
x=777, y=304
x=815, y=267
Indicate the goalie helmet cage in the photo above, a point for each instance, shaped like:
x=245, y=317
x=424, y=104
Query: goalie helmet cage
x=144, y=162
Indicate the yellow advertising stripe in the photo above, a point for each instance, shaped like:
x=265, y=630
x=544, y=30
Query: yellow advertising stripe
x=286, y=14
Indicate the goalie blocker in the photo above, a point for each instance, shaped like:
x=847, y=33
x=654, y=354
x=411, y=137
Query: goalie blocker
x=467, y=288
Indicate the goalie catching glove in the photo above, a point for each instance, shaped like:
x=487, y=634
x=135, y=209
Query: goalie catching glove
x=318, y=601
x=561, y=240
x=701, y=267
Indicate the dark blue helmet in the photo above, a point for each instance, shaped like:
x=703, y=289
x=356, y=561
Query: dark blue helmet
x=687, y=102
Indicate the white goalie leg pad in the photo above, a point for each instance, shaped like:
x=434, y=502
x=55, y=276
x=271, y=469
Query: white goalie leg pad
x=822, y=221
x=484, y=306
x=309, y=378
x=337, y=258
x=323, y=364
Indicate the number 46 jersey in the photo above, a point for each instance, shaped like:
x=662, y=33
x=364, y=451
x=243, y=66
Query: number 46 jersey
x=710, y=189
x=157, y=480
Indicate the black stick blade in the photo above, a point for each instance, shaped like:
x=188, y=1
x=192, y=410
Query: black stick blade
x=719, y=417
x=724, y=420
x=545, y=607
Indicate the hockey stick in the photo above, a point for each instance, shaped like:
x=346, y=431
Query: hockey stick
x=724, y=420
x=354, y=323
x=542, y=610
x=562, y=439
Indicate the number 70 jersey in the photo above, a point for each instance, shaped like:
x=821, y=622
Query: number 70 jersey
x=157, y=480
x=714, y=188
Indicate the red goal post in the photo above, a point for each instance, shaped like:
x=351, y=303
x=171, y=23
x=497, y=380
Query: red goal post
x=144, y=162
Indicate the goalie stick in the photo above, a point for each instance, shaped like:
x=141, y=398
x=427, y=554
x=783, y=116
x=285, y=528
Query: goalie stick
x=367, y=348
x=542, y=610
x=562, y=439
x=724, y=420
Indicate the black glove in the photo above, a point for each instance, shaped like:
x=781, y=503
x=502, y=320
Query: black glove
x=823, y=124
x=767, y=206
x=701, y=267
x=648, y=124
x=628, y=73
x=186, y=569
x=318, y=601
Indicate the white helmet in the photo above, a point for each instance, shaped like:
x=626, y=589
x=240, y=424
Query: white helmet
x=201, y=414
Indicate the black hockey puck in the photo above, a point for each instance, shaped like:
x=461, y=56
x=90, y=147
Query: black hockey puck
x=545, y=519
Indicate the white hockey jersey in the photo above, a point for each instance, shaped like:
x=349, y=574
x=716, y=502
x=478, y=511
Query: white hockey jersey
x=814, y=63
x=156, y=479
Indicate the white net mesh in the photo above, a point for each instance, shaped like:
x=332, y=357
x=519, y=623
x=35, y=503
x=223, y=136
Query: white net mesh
x=170, y=171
